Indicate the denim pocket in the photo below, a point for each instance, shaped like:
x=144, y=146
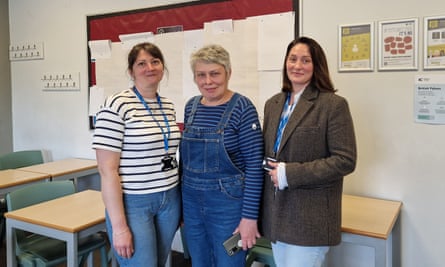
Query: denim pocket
x=232, y=188
x=200, y=155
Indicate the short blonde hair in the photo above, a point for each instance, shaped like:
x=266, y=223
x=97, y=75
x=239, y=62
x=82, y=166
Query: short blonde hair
x=212, y=53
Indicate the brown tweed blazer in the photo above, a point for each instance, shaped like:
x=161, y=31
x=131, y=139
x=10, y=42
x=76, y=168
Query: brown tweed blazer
x=319, y=149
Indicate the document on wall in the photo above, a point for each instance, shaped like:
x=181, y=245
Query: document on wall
x=429, y=99
x=96, y=100
x=130, y=40
x=275, y=31
x=100, y=49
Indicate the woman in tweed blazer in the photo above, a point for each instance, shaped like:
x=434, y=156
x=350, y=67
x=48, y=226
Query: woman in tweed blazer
x=309, y=133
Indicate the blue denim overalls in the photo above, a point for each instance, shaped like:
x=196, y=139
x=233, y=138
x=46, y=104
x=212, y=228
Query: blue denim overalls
x=212, y=192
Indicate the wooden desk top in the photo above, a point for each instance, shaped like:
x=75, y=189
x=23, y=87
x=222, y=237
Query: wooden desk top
x=62, y=167
x=71, y=213
x=369, y=216
x=13, y=177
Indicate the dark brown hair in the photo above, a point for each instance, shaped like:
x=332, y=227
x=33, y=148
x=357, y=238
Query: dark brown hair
x=150, y=48
x=320, y=78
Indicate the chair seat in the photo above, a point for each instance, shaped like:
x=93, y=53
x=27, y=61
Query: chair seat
x=261, y=252
x=263, y=242
x=53, y=251
x=41, y=251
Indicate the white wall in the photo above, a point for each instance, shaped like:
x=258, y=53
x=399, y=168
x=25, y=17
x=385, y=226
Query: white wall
x=398, y=159
x=56, y=121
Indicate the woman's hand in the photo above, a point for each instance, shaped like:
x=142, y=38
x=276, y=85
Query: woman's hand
x=249, y=232
x=123, y=243
x=274, y=172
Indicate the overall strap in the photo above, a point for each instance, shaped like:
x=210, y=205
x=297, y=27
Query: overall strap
x=195, y=103
x=228, y=112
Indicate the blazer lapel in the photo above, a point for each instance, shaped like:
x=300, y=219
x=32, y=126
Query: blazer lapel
x=274, y=114
x=304, y=104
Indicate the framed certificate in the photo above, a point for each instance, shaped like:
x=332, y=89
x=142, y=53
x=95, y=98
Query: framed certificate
x=434, y=43
x=355, y=47
x=398, y=44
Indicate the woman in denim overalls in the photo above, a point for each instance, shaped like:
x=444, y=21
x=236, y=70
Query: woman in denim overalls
x=221, y=154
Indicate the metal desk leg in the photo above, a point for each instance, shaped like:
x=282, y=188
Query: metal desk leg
x=10, y=247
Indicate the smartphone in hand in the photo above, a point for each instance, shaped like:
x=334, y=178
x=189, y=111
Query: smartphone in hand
x=233, y=245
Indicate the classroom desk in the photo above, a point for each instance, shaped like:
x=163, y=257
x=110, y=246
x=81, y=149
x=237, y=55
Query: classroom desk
x=57, y=219
x=65, y=169
x=369, y=222
x=12, y=179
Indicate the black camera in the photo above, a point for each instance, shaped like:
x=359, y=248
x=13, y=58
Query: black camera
x=266, y=165
x=169, y=163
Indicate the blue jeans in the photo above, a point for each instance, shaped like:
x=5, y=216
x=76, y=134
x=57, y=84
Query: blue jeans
x=287, y=255
x=212, y=211
x=153, y=220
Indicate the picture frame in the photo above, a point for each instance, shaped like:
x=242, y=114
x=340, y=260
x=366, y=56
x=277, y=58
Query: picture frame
x=355, y=47
x=398, y=44
x=434, y=43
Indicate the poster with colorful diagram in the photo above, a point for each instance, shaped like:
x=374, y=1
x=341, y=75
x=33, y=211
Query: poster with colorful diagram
x=398, y=44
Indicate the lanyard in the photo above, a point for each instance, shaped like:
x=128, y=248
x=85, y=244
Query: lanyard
x=287, y=110
x=166, y=136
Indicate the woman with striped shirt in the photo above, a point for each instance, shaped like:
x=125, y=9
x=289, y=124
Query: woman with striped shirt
x=221, y=155
x=136, y=139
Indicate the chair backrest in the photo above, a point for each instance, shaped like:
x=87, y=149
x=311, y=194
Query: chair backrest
x=20, y=159
x=33, y=194
x=39, y=192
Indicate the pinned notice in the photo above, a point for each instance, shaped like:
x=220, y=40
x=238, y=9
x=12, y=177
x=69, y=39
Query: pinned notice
x=100, y=49
x=130, y=40
x=429, y=99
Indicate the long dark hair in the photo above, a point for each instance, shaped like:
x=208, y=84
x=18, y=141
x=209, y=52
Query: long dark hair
x=320, y=78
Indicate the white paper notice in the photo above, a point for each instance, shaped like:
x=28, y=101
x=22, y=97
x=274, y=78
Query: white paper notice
x=222, y=26
x=97, y=98
x=100, y=49
x=429, y=99
x=130, y=40
x=275, y=31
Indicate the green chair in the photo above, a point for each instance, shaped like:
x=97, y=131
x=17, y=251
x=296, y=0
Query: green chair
x=14, y=160
x=37, y=250
x=18, y=159
x=261, y=252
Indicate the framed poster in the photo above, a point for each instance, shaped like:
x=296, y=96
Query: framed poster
x=434, y=43
x=355, y=47
x=398, y=44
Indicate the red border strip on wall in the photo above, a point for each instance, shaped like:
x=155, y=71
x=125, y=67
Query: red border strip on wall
x=191, y=16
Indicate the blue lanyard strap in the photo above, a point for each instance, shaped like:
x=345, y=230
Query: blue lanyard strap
x=287, y=110
x=166, y=136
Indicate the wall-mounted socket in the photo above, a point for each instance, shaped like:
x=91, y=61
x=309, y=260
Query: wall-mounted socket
x=26, y=51
x=65, y=81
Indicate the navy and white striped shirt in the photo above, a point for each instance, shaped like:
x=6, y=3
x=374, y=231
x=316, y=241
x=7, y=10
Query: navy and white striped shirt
x=124, y=125
x=243, y=141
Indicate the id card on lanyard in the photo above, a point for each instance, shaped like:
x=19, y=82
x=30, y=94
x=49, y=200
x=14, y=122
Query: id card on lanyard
x=287, y=111
x=168, y=162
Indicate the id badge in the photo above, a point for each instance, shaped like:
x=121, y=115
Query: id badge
x=168, y=163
